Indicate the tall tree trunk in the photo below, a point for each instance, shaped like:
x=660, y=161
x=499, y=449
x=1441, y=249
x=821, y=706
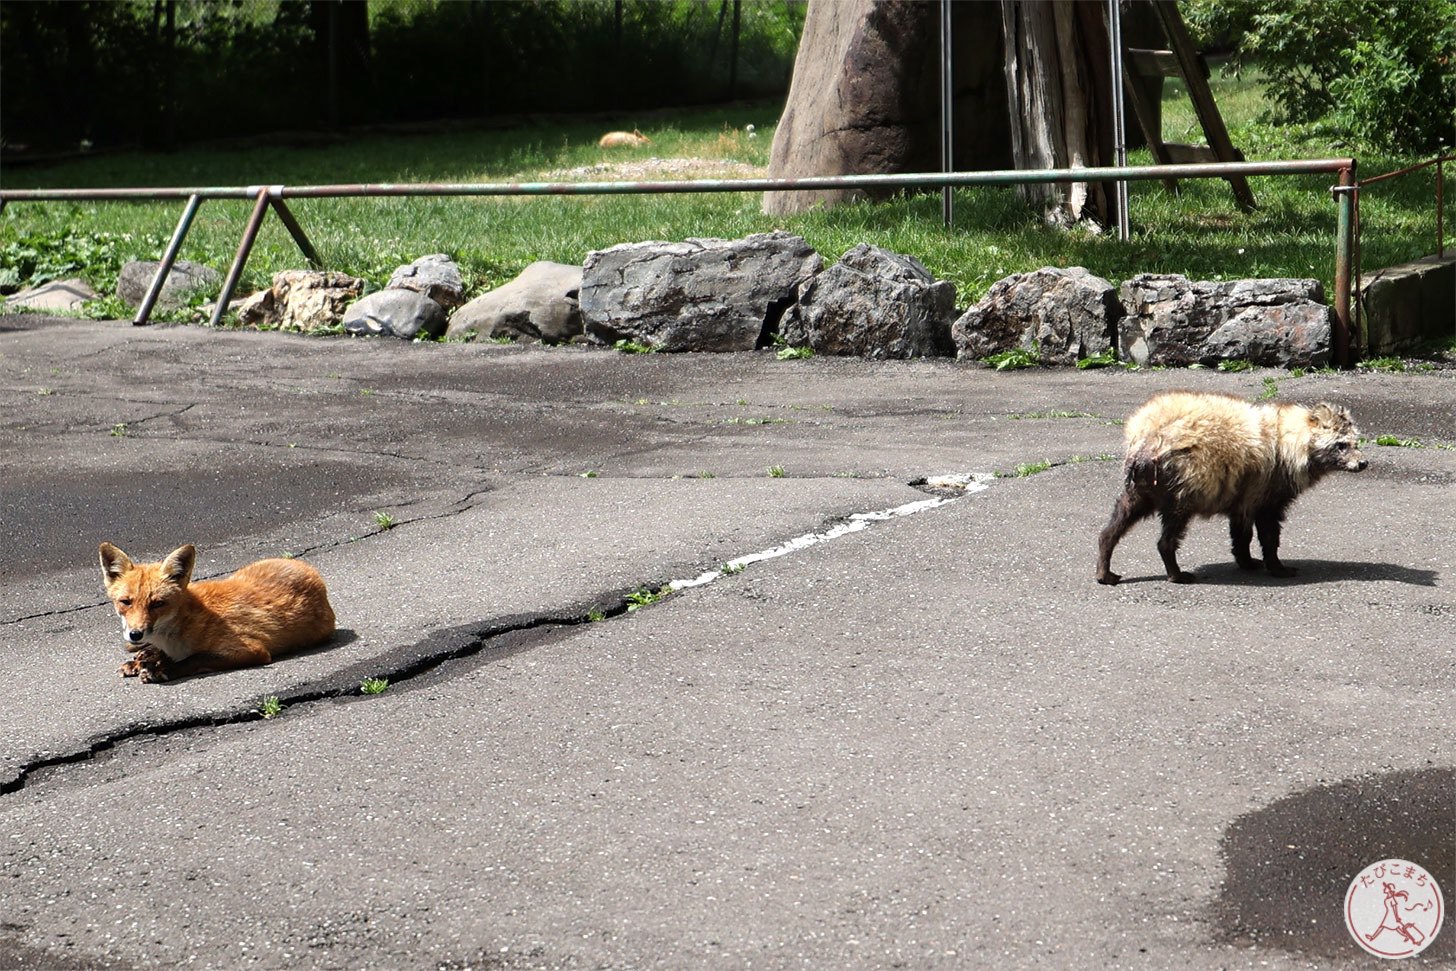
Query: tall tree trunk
x=1056, y=70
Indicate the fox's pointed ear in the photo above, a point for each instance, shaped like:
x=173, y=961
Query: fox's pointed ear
x=113, y=562
x=177, y=567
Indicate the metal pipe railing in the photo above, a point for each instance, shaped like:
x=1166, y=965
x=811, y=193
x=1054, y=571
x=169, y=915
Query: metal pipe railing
x=266, y=196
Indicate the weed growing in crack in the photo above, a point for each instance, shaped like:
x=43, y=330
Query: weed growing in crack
x=589, y=474
x=385, y=521
x=1027, y=469
x=1271, y=389
x=118, y=430
x=705, y=474
x=775, y=471
x=646, y=597
x=1235, y=365
x=634, y=347
x=373, y=686
x=1397, y=442
x=270, y=707
x=594, y=616
x=794, y=353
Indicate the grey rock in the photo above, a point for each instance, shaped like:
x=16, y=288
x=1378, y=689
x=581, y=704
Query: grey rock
x=876, y=304
x=56, y=295
x=405, y=314
x=540, y=304
x=697, y=295
x=1272, y=322
x=1066, y=314
x=436, y=276
x=183, y=281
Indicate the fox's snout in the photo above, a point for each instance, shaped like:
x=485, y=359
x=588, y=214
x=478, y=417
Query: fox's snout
x=136, y=637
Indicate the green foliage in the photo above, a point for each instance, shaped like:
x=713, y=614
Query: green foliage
x=373, y=686
x=232, y=63
x=634, y=347
x=385, y=521
x=794, y=353
x=1235, y=365
x=1105, y=358
x=1017, y=357
x=44, y=254
x=1383, y=71
x=776, y=472
x=270, y=707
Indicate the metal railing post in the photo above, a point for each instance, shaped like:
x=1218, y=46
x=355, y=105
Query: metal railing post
x=168, y=258
x=250, y=234
x=1344, y=258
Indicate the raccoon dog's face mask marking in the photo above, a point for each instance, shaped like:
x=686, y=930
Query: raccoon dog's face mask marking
x=1336, y=440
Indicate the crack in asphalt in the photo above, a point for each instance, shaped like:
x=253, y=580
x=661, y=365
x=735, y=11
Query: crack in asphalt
x=495, y=640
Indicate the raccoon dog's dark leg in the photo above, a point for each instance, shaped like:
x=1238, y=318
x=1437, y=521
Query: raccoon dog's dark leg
x=1268, y=522
x=1241, y=531
x=1134, y=504
x=1175, y=524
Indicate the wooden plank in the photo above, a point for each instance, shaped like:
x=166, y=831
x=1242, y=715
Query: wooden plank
x=1190, y=154
x=1203, y=103
x=1155, y=64
x=1147, y=121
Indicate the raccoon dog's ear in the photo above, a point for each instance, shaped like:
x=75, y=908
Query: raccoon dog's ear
x=1330, y=415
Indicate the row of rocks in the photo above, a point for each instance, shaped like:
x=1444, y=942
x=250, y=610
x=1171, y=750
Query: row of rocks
x=743, y=294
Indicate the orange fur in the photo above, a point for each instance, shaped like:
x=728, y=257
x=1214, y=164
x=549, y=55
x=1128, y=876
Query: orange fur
x=175, y=627
x=623, y=139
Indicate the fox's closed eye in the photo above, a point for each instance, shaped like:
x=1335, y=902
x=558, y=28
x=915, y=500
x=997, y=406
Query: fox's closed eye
x=124, y=601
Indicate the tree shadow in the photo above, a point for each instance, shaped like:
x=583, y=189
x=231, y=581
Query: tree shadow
x=1287, y=866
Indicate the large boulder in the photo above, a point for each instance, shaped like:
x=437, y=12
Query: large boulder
x=864, y=98
x=436, y=276
x=540, y=304
x=395, y=313
x=873, y=303
x=1065, y=314
x=697, y=295
x=302, y=300
x=1272, y=322
x=183, y=281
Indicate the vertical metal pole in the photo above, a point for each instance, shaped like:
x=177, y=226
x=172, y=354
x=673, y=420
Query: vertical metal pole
x=1119, y=116
x=1440, y=211
x=1344, y=257
x=168, y=258
x=250, y=234
x=947, y=115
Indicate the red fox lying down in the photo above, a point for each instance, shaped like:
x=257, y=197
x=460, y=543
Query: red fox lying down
x=174, y=627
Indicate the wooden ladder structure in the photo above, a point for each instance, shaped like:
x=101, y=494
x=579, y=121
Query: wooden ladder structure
x=1182, y=61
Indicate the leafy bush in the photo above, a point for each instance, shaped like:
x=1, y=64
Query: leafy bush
x=1383, y=71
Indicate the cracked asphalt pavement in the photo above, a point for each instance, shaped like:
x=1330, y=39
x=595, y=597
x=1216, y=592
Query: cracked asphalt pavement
x=932, y=743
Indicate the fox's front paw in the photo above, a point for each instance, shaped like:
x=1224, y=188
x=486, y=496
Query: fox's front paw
x=145, y=664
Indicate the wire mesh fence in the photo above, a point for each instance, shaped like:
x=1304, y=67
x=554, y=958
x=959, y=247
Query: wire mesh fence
x=162, y=72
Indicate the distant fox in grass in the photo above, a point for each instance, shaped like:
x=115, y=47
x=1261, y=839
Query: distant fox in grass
x=1204, y=454
x=174, y=627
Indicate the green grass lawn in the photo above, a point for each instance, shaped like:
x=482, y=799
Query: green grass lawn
x=1200, y=232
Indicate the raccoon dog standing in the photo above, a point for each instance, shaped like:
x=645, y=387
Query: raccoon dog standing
x=1197, y=454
